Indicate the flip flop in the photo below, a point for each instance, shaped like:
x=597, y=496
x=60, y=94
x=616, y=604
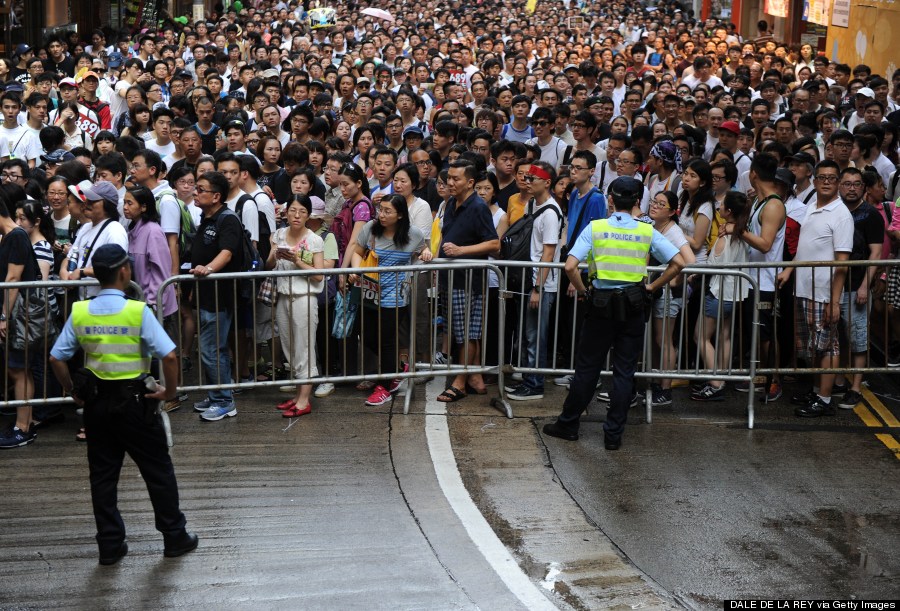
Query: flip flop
x=80, y=435
x=451, y=394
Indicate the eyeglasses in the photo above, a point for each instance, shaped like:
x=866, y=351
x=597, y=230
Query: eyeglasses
x=7, y=176
x=532, y=178
x=201, y=190
x=540, y=123
x=659, y=204
x=843, y=145
x=425, y=162
x=717, y=178
x=852, y=185
x=579, y=168
x=578, y=126
x=827, y=178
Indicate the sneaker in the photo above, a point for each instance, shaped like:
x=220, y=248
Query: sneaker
x=662, y=396
x=774, y=393
x=710, y=393
x=440, y=358
x=379, y=396
x=745, y=387
x=815, y=409
x=512, y=386
x=287, y=389
x=603, y=397
x=186, y=364
x=839, y=390
x=182, y=397
x=518, y=377
x=525, y=393
x=248, y=380
x=324, y=389
x=893, y=355
x=697, y=386
x=202, y=406
x=564, y=380
x=804, y=398
x=395, y=383
x=16, y=438
x=850, y=400
x=217, y=411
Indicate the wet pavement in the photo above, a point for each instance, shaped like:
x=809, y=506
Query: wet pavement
x=356, y=508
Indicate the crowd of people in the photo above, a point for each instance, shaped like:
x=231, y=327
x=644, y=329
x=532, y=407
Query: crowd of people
x=287, y=137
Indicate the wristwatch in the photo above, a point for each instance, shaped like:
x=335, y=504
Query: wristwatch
x=2, y=317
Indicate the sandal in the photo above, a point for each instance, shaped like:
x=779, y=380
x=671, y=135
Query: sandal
x=451, y=394
x=475, y=391
x=80, y=435
x=365, y=385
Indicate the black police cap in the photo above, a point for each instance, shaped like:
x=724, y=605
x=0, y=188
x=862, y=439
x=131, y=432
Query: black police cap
x=109, y=256
x=626, y=187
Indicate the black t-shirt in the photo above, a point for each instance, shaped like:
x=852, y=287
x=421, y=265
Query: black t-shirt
x=430, y=194
x=64, y=68
x=279, y=182
x=868, y=228
x=208, y=141
x=221, y=231
x=16, y=249
x=467, y=224
x=505, y=193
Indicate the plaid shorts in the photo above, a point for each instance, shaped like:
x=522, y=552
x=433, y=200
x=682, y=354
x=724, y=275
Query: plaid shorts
x=814, y=337
x=475, y=303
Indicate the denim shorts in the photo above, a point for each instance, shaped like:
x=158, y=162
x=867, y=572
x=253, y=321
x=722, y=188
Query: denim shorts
x=670, y=308
x=855, y=322
x=711, y=307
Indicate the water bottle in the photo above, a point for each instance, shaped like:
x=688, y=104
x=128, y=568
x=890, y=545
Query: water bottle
x=151, y=385
x=73, y=259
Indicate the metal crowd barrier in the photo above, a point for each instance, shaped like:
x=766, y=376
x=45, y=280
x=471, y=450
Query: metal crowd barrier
x=354, y=360
x=54, y=296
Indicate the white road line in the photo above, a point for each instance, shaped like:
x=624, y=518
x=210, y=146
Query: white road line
x=437, y=433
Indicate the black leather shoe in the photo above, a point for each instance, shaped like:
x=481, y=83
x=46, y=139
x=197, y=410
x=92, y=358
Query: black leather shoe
x=804, y=399
x=184, y=544
x=611, y=443
x=555, y=429
x=115, y=556
x=815, y=409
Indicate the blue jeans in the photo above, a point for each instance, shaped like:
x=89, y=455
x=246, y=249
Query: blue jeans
x=215, y=328
x=537, y=320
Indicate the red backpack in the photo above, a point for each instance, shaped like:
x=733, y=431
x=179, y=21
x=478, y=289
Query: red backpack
x=342, y=225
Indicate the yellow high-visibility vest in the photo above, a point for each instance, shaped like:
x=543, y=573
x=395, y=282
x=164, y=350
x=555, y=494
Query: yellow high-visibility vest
x=111, y=342
x=619, y=254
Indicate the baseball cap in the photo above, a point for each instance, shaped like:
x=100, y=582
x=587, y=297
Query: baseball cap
x=57, y=156
x=116, y=59
x=867, y=92
x=270, y=73
x=88, y=74
x=14, y=86
x=22, y=49
x=731, y=126
x=318, y=207
x=413, y=130
x=109, y=256
x=95, y=192
x=68, y=82
x=785, y=176
x=626, y=187
x=234, y=123
x=570, y=67
x=363, y=79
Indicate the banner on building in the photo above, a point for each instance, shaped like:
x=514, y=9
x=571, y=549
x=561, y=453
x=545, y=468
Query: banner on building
x=817, y=11
x=776, y=8
x=840, y=13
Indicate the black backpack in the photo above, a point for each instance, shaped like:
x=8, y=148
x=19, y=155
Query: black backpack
x=250, y=258
x=516, y=246
x=264, y=244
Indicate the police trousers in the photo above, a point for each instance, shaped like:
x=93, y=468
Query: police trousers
x=116, y=423
x=599, y=333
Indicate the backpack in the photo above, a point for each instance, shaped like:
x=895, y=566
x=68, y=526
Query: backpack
x=342, y=225
x=264, y=244
x=516, y=246
x=250, y=260
x=186, y=232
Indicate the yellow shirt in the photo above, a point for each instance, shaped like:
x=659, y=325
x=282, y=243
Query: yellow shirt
x=515, y=208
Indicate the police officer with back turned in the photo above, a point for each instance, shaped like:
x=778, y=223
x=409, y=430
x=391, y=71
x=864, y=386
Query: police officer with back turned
x=618, y=305
x=118, y=337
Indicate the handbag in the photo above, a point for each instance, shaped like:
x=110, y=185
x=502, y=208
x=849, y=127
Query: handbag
x=345, y=311
x=369, y=283
x=267, y=295
x=34, y=317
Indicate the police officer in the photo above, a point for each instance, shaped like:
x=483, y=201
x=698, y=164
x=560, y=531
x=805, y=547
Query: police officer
x=618, y=305
x=118, y=337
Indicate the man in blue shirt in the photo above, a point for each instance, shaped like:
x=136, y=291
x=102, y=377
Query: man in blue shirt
x=617, y=307
x=118, y=337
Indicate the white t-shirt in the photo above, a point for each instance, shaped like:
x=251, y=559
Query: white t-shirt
x=117, y=104
x=20, y=142
x=692, y=82
x=249, y=215
x=687, y=224
x=164, y=150
x=169, y=208
x=824, y=232
x=420, y=216
x=546, y=230
x=675, y=235
x=112, y=233
x=265, y=205
x=553, y=152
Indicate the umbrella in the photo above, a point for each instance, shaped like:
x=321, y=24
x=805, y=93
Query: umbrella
x=378, y=13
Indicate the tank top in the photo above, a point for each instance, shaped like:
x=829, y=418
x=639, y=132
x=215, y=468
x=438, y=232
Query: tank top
x=765, y=276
